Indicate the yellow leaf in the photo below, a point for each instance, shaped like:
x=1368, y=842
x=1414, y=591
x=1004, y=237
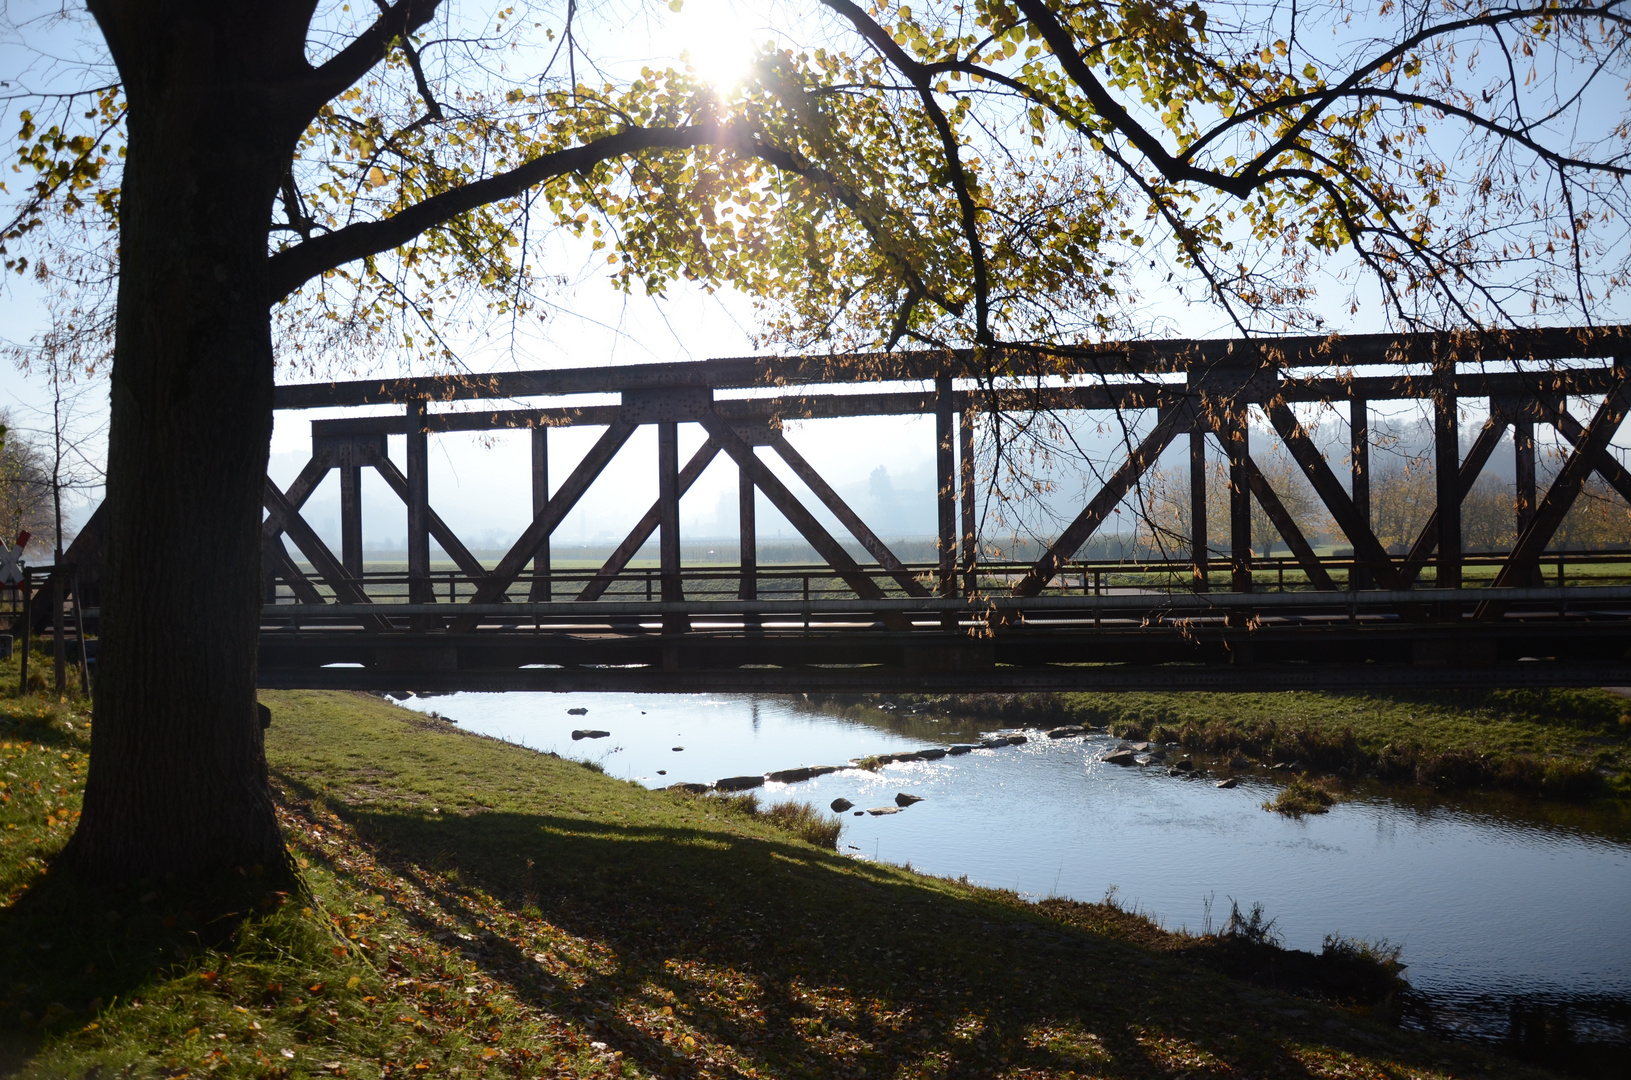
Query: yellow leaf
x=376, y=176
x=351, y=983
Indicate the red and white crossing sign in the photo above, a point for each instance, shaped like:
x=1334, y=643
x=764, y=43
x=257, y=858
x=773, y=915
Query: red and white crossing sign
x=11, y=562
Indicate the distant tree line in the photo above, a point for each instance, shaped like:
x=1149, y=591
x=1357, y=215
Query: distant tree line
x=1401, y=500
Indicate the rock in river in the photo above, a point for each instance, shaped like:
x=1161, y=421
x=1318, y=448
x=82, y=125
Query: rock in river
x=579, y=711
x=1066, y=732
x=588, y=733
x=961, y=748
x=1122, y=758
x=1227, y=782
x=880, y=811
x=789, y=776
x=840, y=805
x=1183, y=765
x=739, y=783
x=904, y=800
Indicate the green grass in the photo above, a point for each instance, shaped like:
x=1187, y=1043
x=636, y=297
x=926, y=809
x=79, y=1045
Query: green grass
x=1553, y=743
x=471, y=908
x=1302, y=796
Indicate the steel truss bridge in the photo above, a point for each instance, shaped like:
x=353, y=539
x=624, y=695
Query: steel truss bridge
x=1367, y=620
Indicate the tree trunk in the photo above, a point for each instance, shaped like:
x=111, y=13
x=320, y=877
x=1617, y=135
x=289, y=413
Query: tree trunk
x=177, y=781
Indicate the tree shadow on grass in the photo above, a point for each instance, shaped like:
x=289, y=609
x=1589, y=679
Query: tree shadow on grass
x=69, y=947
x=807, y=963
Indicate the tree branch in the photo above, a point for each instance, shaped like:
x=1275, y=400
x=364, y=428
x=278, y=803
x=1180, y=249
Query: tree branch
x=293, y=267
x=967, y=210
x=367, y=49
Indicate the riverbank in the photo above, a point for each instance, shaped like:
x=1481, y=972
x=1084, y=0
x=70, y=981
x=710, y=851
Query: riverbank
x=1555, y=744
x=476, y=908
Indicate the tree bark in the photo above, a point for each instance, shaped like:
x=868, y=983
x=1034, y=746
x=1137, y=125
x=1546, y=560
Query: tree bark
x=177, y=781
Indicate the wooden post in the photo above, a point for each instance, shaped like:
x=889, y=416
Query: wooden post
x=1197, y=507
x=57, y=645
x=1447, y=473
x=79, y=629
x=746, y=502
x=28, y=627
x=541, y=584
x=419, y=584
x=1240, y=499
x=946, y=482
x=668, y=497
x=1359, y=459
x=971, y=546
x=351, y=513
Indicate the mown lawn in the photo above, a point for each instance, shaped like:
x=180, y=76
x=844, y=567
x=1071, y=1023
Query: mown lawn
x=476, y=909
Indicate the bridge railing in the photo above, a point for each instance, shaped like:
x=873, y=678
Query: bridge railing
x=819, y=591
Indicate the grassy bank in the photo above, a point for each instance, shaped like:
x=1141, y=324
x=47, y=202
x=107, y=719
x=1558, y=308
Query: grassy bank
x=470, y=908
x=1553, y=743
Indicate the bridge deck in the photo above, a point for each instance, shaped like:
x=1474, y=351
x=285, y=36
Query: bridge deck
x=1126, y=640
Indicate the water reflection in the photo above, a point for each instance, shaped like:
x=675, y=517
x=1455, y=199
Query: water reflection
x=1513, y=916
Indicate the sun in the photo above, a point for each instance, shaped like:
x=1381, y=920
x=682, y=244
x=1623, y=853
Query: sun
x=719, y=38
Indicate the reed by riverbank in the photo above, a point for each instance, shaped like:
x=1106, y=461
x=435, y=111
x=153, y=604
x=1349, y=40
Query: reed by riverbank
x=472, y=908
x=1564, y=744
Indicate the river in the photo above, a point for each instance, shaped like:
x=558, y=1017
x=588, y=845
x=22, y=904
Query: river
x=1506, y=911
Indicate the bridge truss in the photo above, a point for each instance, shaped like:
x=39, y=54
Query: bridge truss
x=1365, y=620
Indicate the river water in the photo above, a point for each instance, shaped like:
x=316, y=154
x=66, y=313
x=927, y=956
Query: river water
x=1505, y=911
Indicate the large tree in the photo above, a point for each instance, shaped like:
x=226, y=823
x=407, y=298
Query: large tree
x=1008, y=176
x=227, y=115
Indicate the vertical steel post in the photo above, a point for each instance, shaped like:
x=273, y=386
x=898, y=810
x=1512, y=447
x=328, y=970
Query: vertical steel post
x=1523, y=465
x=1359, y=471
x=1447, y=472
x=1240, y=499
x=419, y=584
x=1523, y=452
x=541, y=584
x=965, y=454
x=746, y=502
x=668, y=499
x=351, y=512
x=946, y=482
x=1198, y=531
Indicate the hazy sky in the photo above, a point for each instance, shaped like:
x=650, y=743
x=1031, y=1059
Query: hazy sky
x=480, y=484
